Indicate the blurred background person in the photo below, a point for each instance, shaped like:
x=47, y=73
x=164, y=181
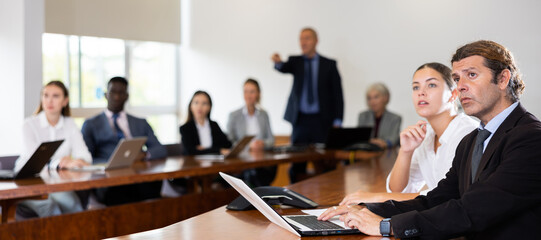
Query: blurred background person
x=103, y=132
x=385, y=125
x=52, y=122
x=199, y=134
x=252, y=120
x=316, y=102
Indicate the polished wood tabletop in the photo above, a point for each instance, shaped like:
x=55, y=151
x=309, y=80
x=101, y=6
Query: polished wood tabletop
x=139, y=216
x=147, y=171
x=143, y=171
x=327, y=190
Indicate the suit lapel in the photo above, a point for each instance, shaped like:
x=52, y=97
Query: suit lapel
x=505, y=127
x=107, y=131
x=467, y=174
x=262, y=125
x=372, y=123
x=132, y=126
x=300, y=82
x=320, y=84
x=241, y=124
x=195, y=133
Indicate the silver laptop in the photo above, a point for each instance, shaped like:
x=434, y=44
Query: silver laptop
x=300, y=225
x=125, y=153
x=235, y=151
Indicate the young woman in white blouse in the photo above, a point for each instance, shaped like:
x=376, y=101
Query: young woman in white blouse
x=52, y=122
x=427, y=149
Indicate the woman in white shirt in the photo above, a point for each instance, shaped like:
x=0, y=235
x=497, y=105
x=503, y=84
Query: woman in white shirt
x=427, y=148
x=250, y=120
x=52, y=122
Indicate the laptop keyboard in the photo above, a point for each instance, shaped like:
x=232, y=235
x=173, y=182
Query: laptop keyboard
x=312, y=223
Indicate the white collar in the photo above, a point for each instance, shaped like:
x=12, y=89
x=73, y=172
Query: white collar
x=206, y=124
x=495, y=122
x=44, y=123
x=109, y=114
x=245, y=111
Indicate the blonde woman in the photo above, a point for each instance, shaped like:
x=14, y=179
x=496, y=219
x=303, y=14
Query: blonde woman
x=52, y=122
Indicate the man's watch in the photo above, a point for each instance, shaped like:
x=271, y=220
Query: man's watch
x=385, y=227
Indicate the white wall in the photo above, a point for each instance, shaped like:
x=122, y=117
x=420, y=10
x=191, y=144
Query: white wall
x=224, y=42
x=21, y=25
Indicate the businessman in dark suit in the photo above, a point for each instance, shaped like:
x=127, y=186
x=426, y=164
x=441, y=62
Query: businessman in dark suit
x=493, y=189
x=103, y=132
x=315, y=103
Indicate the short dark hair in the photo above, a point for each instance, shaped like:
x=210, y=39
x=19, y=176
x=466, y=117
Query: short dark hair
x=190, y=113
x=443, y=70
x=118, y=80
x=65, y=110
x=497, y=58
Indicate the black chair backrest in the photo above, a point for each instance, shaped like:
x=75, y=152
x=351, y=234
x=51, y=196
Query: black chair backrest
x=174, y=149
x=8, y=162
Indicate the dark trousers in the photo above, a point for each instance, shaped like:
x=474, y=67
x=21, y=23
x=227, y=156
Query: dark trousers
x=117, y=195
x=258, y=177
x=309, y=129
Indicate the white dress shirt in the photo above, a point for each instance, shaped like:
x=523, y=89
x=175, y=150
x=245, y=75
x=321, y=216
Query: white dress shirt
x=493, y=125
x=205, y=135
x=122, y=122
x=252, y=124
x=37, y=129
x=429, y=167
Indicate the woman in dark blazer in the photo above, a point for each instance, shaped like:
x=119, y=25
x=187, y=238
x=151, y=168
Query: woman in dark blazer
x=199, y=134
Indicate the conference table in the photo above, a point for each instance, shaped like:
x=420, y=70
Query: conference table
x=140, y=216
x=327, y=190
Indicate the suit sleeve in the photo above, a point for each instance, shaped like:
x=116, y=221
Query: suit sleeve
x=90, y=141
x=267, y=132
x=231, y=133
x=286, y=67
x=79, y=149
x=219, y=139
x=395, y=140
x=188, y=140
x=511, y=189
x=154, y=147
x=338, y=98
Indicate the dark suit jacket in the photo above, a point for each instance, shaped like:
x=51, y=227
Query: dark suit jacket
x=101, y=139
x=331, y=101
x=503, y=203
x=190, y=139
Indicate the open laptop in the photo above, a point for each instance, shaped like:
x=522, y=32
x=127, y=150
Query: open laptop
x=125, y=153
x=235, y=151
x=35, y=163
x=300, y=225
x=351, y=139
